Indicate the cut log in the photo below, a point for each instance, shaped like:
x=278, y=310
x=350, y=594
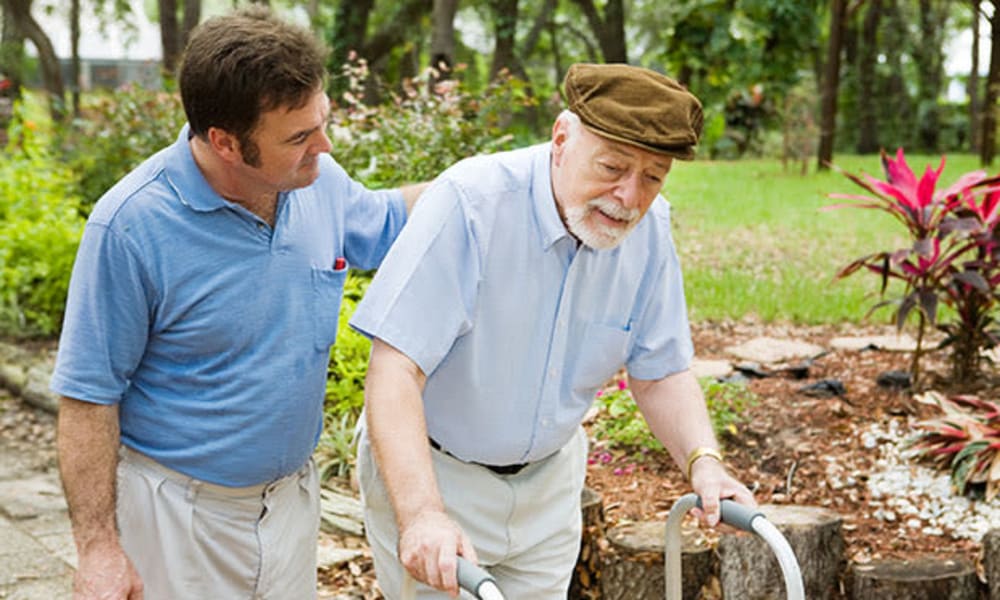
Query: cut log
x=341, y=513
x=748, y=568
x=991, y=562
x=586, y=582
x=633, y=563
x=918, y=579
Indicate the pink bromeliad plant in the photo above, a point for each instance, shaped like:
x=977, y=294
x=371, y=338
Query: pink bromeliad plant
x=965, y=439
x=953, y=258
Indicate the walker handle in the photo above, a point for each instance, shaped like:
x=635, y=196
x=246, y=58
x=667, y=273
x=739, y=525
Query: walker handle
x=736, y=514
x=476, y=580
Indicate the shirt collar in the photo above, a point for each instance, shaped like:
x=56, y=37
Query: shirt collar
x=187, y=179
x=550, y=225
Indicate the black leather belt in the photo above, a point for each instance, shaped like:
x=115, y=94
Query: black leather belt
x=498, y=469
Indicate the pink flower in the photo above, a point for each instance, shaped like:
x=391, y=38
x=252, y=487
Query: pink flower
x=622, y=385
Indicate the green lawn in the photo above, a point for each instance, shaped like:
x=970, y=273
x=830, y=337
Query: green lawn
x=753, y=240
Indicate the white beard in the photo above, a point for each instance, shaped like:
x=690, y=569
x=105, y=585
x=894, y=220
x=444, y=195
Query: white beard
x=601, y=236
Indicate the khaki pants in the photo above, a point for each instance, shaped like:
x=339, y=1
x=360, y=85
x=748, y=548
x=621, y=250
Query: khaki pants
x=525, y=527
x=192, y=540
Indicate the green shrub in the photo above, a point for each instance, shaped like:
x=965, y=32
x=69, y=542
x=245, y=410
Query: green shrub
x=345, y=386
x=418, y=133
x=40, y=229
x=120, y=130
x=620, y=424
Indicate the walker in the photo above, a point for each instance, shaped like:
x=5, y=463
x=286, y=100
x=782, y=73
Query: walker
x=471, y=578
x=483, y=586
x=740, y=517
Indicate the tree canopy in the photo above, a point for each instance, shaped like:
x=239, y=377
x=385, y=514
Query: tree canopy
x=858, y=74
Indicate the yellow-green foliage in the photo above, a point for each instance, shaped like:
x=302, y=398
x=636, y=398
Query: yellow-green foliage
x=40, y=228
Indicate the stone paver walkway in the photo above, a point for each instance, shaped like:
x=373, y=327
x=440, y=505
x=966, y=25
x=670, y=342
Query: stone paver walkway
x=37, y=555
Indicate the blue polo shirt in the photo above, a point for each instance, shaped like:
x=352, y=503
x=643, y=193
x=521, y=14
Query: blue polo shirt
x=516, y=327
x=211, y=329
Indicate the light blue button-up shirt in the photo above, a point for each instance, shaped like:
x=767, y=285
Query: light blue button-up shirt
x=211, y=329
x=515, y=327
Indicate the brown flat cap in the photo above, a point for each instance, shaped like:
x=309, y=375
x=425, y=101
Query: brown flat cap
x=636, y=106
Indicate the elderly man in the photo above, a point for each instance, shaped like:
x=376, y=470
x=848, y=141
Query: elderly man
x=521, y=286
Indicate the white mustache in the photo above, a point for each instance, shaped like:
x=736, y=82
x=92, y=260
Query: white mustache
x=614, y=210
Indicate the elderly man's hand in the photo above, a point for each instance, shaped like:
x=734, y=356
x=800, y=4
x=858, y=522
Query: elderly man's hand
x=713, y=483
x=428, y=547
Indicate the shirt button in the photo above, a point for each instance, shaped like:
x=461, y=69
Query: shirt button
x=553, y=372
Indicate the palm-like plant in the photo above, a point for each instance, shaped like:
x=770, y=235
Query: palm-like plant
x=953, y=258
x=964, y=440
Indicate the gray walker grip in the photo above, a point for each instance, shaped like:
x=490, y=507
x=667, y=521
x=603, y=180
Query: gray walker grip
x=736, y=515
x=740, y=517
x=472, y=577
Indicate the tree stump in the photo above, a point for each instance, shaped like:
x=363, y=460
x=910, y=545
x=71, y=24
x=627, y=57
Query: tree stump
x=918, y=579
x=991, y=562
x=633, y=563
x=749, y=569
x=586, y=582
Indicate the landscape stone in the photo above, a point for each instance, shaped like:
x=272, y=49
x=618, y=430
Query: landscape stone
x=891, y=343
x=31, y=497
x=771, y=350
x=716, y=369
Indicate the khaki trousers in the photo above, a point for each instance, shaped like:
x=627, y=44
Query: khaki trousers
x=525, y=527
x=192, y=540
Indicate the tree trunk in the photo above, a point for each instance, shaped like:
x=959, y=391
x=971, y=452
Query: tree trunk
x=505, y=28
x=609, y=30
x=633, y=564
x=921, y=579
x=74, y=44
x=831, y=86
x=350, y=25
x=586, y=581
x=975, y=127
x=749, y=569
x=929, y=58
x=896, y=108
x=11, y=56
x=991, y=562
x=867, y=62
x=988, y=149
x=397, y=30
x=557, y=65
x=169, y=35
x=192, y=16
x=443, y=36
x=542, y=21
x=20, y=13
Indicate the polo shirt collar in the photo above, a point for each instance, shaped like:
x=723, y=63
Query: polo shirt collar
x=184, y=175
x=550, y=227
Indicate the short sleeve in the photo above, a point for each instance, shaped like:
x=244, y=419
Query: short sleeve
x=662, y=344
x=372, y=218
x=423, y=296
x=107, y=320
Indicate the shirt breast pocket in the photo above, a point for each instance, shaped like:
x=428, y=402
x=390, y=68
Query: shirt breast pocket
x=603, y=351
x=327, y=291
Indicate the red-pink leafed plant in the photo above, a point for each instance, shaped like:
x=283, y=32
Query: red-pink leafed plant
x=964, y=440
x=953, y=258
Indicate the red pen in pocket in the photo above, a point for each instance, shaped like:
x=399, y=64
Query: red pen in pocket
x=339, y=263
